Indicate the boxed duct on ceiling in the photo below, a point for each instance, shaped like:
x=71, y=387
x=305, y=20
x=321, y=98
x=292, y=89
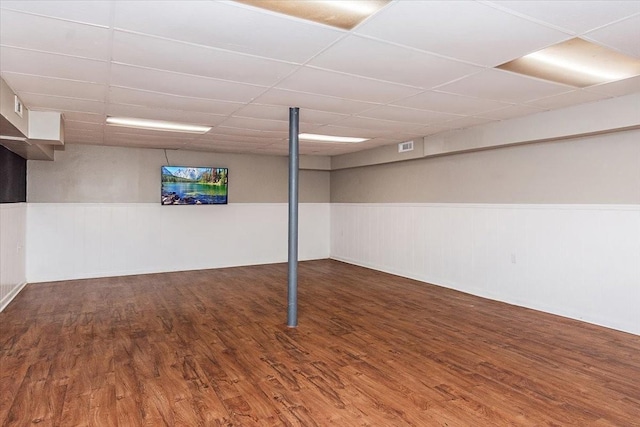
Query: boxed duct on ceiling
x=30, y=134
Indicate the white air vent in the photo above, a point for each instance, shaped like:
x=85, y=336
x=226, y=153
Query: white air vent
x=17, y=105
x=405, y=146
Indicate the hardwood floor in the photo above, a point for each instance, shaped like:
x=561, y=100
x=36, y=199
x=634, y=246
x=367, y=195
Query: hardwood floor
x=211, y=348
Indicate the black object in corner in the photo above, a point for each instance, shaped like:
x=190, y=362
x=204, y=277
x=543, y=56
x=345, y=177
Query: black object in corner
x=13, y=177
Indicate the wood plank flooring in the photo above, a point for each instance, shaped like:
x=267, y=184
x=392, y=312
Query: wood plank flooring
x=210, y=348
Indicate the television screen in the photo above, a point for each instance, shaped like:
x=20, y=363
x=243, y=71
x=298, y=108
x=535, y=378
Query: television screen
x=194, y=185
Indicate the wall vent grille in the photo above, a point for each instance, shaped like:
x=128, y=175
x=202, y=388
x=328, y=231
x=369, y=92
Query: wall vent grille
x=405, y=146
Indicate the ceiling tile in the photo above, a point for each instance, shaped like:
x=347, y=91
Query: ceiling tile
x=368, y=125
x=52, y=65
x=623, y=36
x=186, y=58
x=35, y=101
x=182, y=84
x=465, y=122
x=84, y=117
x=83, y=126
x=226, y=25
x=407, y=115
x=145, y=134
x=120, y=95
x=144, y=143
x=619, y=88
x=504, y=86
x=393, y=63
x=567, y=99
x=57, y=87
x=53, y=35
x=239, y=68
x=96, y=12
x=512, y=111
x=257, y=124
x=343, y=85
x=334, y=130
x=140, y=112
x=450, y=103
x=574, y=16
x=212, y=137
x=77, y=135
x=226, y=130
x=464, y=30
x=277, y=112
x=290, y=98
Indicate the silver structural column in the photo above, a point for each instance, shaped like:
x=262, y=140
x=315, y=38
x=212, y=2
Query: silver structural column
x=292, y=308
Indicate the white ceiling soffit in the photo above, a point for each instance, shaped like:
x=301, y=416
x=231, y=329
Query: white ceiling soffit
x=414, y=68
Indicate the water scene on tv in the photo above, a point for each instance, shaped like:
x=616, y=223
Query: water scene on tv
x=194, y=185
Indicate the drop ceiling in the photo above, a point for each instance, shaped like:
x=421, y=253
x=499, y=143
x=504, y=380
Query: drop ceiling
x=415, y=68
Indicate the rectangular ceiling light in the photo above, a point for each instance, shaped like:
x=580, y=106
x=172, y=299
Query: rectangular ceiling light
x=157, y=125
x=345, y=14
x=329, y=138
x=576, y=62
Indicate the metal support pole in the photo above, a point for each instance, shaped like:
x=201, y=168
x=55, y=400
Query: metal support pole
x=292, y=308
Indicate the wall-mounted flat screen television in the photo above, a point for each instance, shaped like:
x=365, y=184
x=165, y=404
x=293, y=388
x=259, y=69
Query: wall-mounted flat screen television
x=183, y=185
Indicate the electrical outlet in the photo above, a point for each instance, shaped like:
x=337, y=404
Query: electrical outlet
x=513, y=258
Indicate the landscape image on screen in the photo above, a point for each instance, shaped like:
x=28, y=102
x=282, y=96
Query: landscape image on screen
x=194, y=185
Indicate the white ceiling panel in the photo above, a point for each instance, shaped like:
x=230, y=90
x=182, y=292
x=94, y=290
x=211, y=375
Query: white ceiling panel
x=182, y=84
x=335, y=130
x=37, y=101
x=619, y=88
x=464, y=30
x=305, y=100
x=277, y=112
x=226, y=143
x=84, y=137
x=415, y=68
x=623, y=36
x=385, y=61
x=84, y=117
x=574, y=16
x=226, y=25
x=567, y=99
x=466, y=122
x=450, y=103
x=138, y=142
x=216, y=137
x=226, y=130
x=408, y=115
x=137, y=111
x=96, y=12
x=53, y=35
x=346, y=86
x=53, y=65
x=71, y=125
x=512, y=111
x=120, y=95
x=504, y=86
x=186, y=58
x=57, y=87
x=257, y=124
x=376, y=125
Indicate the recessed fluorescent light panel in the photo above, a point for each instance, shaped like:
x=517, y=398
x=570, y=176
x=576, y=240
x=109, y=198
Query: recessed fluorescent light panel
x=157, y=125
x=345, y=14
x=329, y=138
x=576, y=62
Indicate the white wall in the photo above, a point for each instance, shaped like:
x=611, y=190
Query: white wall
x=12, y=254
x=578, y=261
x=82, y=240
